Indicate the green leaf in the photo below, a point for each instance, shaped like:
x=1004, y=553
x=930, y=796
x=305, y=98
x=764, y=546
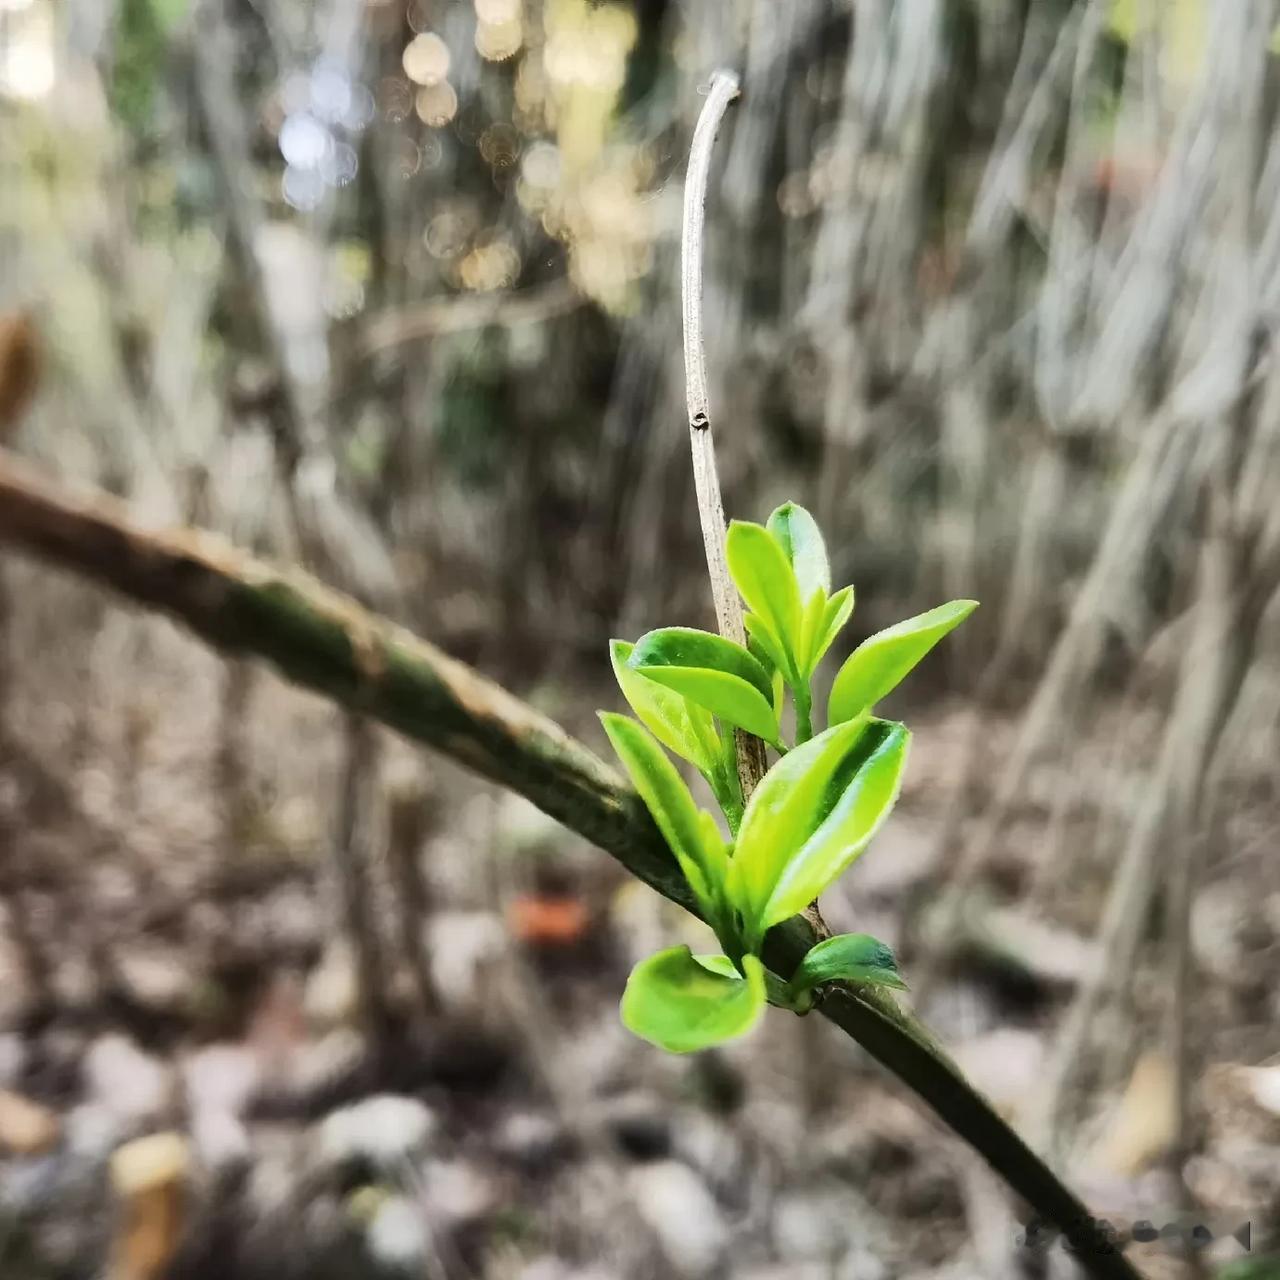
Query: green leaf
x=810, y=627
x=722, y=966
x=683, y=826
x=812, y=814
x=712, y=672
x=871, y=777
x=798, y=535
x=766, y=653
x=765, y=644
x=680, y=725
x=775, y=990
x=765, y=578
x=880, y=662
x=779, y=694
x=681, y=1004
x=764, y=649
x=790, y=804
x=784, y=810
x=857, y=957
x=715, y=852
x=838, y=612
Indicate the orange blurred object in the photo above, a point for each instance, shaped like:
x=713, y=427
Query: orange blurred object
x=19, y=369
x=546, y=920
x=1132, y=177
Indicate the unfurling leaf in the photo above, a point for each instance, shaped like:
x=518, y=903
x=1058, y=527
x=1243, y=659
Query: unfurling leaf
x=838, y=611
x=881, y=661
x=813, y=812
x=765, y=644
x=680, y=725
x=767, y=583
x=713, y=672
x=857, y=957
x=811, y=618
x=797, y=533
x=763, y=648
x=682, y=1003
x=686, y=829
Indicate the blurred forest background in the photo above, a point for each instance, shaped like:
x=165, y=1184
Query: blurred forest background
x=390, y=290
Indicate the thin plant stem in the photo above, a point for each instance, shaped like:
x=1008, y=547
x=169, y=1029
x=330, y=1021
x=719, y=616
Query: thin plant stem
x=748, y=750
x=804, y=712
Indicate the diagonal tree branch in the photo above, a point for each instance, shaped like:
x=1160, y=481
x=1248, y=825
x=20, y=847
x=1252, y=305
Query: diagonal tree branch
x=326, y=642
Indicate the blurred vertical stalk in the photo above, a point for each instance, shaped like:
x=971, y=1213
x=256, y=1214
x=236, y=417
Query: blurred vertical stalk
x=7, y=649
x=1190, y=851
x=230, y=768
x=20, y=367
x=1238, y=576
x=334, y=538
x=407, y=825
x=351, y=850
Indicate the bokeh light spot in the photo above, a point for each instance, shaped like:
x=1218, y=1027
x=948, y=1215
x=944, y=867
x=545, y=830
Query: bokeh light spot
x=304, y=189
x=492, y=265
x=794, y=197
x=28, y=68
x=498, y=41
x=496, y=12
x=436, y=104
x=304, y=141
x=541, y=166
x=330, y=92
x=426, y=59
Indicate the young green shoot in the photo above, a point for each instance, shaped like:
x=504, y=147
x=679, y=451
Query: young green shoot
x=814, y=812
